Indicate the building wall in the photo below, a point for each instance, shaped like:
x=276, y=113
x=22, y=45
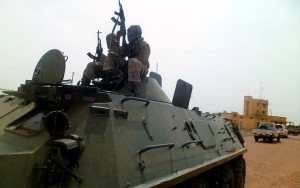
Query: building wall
x=255, y=106
x=255, y=111
x=278, y=119
x=251, y=122
x=234, y=116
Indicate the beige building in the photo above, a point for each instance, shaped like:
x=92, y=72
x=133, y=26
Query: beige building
x=255, y=111
x=234, y=116
x=256, y=107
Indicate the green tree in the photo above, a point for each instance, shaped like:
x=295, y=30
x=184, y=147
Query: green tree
x=258, y=114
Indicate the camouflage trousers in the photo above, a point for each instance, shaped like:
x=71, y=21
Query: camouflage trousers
x=93, y=70
x=136, y=69
x=115, y=64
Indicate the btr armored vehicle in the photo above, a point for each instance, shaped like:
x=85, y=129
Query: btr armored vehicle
x=55, y=134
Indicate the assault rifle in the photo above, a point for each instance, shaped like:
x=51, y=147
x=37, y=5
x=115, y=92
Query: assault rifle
x=99, y=49
x=121, y=23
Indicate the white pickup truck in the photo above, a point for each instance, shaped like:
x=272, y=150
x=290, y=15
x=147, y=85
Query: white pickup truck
x=266, y=131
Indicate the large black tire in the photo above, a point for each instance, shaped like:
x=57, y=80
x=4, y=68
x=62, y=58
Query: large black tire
x=271, y=139
x=278, y=139
x=226, y=179
x=240, y=173
x=197, y=183
x=256, y=139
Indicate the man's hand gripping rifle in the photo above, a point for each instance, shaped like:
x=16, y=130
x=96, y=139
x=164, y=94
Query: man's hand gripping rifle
x=99, y=49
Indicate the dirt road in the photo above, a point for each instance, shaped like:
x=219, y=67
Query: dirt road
x=274, y=165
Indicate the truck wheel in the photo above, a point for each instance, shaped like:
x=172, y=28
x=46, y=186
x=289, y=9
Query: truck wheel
x=197, y=183
x=278, y=139
x=202, y=185
x=256, y=139
x=226, y=179
x=240, y=173
x=271, y=139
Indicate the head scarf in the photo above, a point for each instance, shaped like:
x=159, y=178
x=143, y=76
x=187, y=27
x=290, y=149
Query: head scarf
x=111, y=40
x=134, y=32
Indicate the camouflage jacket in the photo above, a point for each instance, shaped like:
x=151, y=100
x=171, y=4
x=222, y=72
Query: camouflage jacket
x=141, y=52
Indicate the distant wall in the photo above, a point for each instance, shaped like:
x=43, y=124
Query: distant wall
x=252, y=122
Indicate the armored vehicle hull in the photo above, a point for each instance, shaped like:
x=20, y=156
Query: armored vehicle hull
x=60, y=135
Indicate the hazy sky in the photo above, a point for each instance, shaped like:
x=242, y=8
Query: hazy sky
x=226, y=49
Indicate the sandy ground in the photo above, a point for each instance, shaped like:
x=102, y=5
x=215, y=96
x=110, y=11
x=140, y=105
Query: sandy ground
x=274, y=165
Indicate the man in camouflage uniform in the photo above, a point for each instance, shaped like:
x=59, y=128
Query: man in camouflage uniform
x=138, y=52
x=115, y=63
x=95, y=69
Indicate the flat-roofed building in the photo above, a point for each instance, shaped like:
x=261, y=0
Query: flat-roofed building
x=255, y=111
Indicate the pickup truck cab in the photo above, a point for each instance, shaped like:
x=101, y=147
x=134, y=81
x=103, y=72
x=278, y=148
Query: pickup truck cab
x=266, y=131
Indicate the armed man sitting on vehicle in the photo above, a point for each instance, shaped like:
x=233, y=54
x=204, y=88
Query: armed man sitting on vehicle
x=138, y=52
x=115, y=64
x=95, y=69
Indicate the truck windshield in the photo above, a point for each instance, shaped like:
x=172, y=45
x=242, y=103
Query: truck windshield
x=266, y=126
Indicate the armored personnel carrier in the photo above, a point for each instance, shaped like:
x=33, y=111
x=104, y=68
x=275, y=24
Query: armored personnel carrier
x=55, y=134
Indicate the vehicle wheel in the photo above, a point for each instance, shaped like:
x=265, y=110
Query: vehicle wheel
x=226, y=179
x=240, y=173
x=197, y=183
x=256, y=139
x=278, y=139
x=271, y=139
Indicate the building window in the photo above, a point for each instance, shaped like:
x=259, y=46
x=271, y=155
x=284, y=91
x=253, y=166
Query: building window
x=264, y=105
x=257, y=104
x=263, y=112
x=234, y=115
